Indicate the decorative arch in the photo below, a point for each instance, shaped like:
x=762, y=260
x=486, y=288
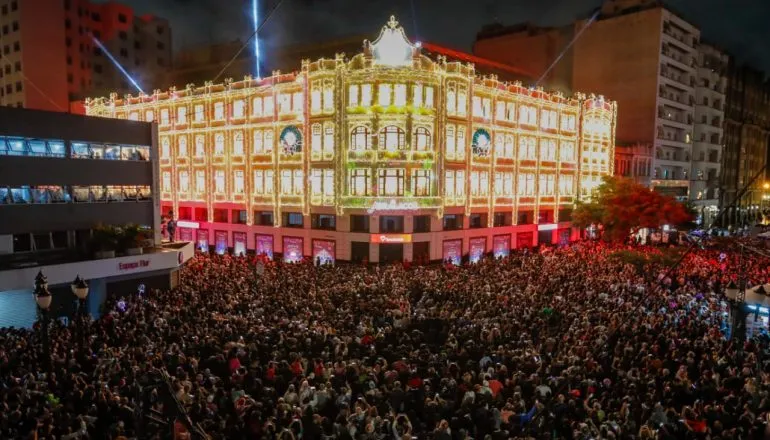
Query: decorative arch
x=481, y=143
x=422, y=139
x=360, y=139
x=392, y=138
x=291, y=140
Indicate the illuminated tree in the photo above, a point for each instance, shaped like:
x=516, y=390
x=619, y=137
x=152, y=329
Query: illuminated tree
x=621, y=207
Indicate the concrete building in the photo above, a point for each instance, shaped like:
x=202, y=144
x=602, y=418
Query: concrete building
x=636, y=52
x=60, y=176
x=389, y=155
x=747, y=138
x=635, y=162
x=710, y=89
x=50, y=56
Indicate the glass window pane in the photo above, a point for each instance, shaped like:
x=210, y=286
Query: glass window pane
x=97, y=152
x=38, y=147
x=56, y=148
x=80, y=150
x=17, y=146
x=3, y=146
x=112, y=152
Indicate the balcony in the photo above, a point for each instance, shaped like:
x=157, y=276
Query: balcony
x=680, y=39
x=682, y=101
x=682, y=81
x=684, y=62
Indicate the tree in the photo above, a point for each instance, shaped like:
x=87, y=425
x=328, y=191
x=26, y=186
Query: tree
x=622, y=206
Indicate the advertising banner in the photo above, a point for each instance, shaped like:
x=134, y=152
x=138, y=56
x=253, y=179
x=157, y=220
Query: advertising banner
x=185, y=234
x=478, y=246
x=203, y=240
x=239, y=243
x=265, y=245
x=453, y=251
x=220, y=242
x=323, y=252
x=292, y=249
x=501, y=246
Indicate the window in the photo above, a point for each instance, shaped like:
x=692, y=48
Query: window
x=315, y=99
x=454, y=184
x=165, y=149
x=133, y=116
x=184, y=181
x=16, y=46
x=328, y=99
x=400, y=95
x=239, y=108
x=546, y=184
x=360, y=139
x=219, y=144
x=478, y=111
x=359, y=182
x=455, y=142
x=284, y=103
x=256, y=107
x=383, y=95
x=263, y=182
x=291, y=182
x=504, y=184
x=527, y=148
x=359, y=223
x=549, y=119
x=182, y=148
x=566, y=185
x=453, y=222
x=417, y=95
x=421, y=182
x=219, y=110
x=568, y=122
x=421, y=223
x=219, y=181
x=480, y=183
x=500, y=111
x=238, y=143
x=392, y=138
x=263, y=142
x=322, y=182
x=366, y=95
x=293, y=219
x=164, y=118
x=504, y=146
x=391, y=182
x=181, y=115
x=149, y=116
x=200, y=146
x=451, y=100
x=548, y=149
x=429, y=97
x=422, y=139
x=269, y=106
x=526, y=184
x=567, y=151
x=296, y=102
x=328, y=145
x=200, y=181
x=238, y=185
x=199, y=113
x=462, y=102
x=166, y=181
x=324, y=221
x=392, y=223
x=353, y=95
x=476, y=221
x=527, y=115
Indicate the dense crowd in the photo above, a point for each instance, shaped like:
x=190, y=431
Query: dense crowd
x=560, y=343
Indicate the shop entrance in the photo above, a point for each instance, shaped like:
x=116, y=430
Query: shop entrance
x=421, y=251
x=359, y=251
x=391, y=252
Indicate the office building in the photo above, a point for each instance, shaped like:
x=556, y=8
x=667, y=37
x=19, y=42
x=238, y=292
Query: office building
x=386, y=156
x=61, y=177
x=50, y=54
x=636, y=52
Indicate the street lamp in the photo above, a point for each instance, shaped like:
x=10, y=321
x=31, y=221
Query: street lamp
x=43, y=299
x=80, y=290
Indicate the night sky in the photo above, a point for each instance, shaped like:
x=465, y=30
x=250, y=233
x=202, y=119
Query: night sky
x=740, y=26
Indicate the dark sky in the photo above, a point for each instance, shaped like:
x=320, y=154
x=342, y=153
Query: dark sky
x=740, y=26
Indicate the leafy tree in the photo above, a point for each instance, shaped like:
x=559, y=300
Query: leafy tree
x=622, y=206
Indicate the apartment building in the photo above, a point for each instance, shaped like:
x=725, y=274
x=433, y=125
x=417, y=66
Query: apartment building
x=634, y=161
x=636, y=52
x=710, y=89
x=50, y=53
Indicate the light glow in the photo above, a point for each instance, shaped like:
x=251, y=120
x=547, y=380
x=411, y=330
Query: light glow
x=255, y=18
x=117, y=64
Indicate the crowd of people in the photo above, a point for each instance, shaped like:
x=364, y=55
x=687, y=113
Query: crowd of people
x=565, y=343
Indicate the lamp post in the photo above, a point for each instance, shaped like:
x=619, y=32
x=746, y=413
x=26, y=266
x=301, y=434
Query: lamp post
x=43, y=299
x=80, y=290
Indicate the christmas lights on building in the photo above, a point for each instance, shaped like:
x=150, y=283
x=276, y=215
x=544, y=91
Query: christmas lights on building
x=421, y=158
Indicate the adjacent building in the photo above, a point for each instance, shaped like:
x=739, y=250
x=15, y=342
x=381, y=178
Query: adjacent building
x=50, y=54
x=386, y=156
x=747, y=137
x=634, y=161
x=61, y=175
x=637, y=52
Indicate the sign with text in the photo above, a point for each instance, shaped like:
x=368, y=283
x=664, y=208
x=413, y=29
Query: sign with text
x=453, y=251
x=478, y=246
x=131, y=265
x=501, y=246
x=391, y=238
x=220, y=242
x=239, y=243
x=393, y=205
x=323, y=252
x=293, y=249
x=264, y=245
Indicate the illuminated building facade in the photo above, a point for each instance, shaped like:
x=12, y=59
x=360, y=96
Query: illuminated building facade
x=386, y=156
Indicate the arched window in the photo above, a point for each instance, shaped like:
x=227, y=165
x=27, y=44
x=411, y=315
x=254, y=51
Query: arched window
x=359, y=139
x=164, y=148
x=422, y=141
x=219, y=144
x=391, y=138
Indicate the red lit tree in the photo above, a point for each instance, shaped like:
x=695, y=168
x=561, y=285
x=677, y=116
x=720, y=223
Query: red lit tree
x=622, y=206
